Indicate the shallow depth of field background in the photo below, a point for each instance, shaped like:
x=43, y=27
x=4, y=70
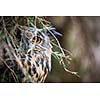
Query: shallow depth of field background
x=81, y=36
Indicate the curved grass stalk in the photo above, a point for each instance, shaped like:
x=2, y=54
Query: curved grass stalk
x=63, y=54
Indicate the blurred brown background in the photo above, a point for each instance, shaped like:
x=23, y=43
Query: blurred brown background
x=81, y=35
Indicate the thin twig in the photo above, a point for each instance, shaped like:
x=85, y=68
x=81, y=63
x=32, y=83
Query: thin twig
x=12, y=50
x=62, y=61
x=16, y=79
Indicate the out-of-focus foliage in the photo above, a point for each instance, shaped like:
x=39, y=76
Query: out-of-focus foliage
x=81, y=35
